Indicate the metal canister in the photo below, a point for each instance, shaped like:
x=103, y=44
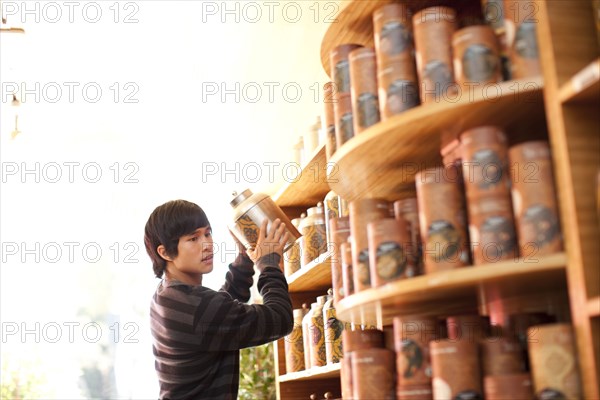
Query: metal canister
x=250, y=210
x=500, y=356
x=408, y=210
x=362, y=339
x=476, y=57
x=412, y=334
x=390, y=256
x=347, y=270
x=469, y=327
x=373, y=374
x=553, y=362
x=333, y=329
x=534, y=199
x=314, y=242
x=317, y=333
x=342, y=106
x=306, y=335
x=363, y=78
x=291, y=258
x=456, y=370
x=362, y=212
x=433, y=29
x=340, y=232
x=508, y=387
x=294, y=344
x=443, y=229
x=331, y=208
x=329, y=120
x=520, y=23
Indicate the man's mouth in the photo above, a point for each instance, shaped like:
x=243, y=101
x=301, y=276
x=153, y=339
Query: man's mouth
x=208, y=258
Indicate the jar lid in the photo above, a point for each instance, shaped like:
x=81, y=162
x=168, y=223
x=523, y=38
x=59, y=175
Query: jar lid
x=315, y=210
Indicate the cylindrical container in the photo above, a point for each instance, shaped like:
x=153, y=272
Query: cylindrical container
x=373, y=374
x=492, y=230
x=508, y=387
x=412, y=335
x=306, y=338
x=340, y=232
x=433, y=29
x=534, y=199
x=456, y=372
x=469, y=327
x=333, y=329
x=294, y=344
x=346, y=376
x=414, y=392
x=317, y=333
x=390, y=255
x=553, y=362
x=331, y=208
x=329, y=120
x=501, y=357
x=392, y=28
x=342, y=105
x=347, y=270
x=291, y=258
x=363, y=78
x=313, y=233
x=250, y=210
x=443, y=228
x=362, y=212
x=362, y=339
x=398, y=88
x=408, y=210
x=520, y=24
x=485, y=162
x=476, y=57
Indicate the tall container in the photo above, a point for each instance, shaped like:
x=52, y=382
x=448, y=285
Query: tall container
x=342, y=105
x=314, y=241
x=294, y=344
x=317, y=333
x=329, y=120
x=333, y=329
x=291, y=258
x=363, y=78
x=476, y=57
x=340, y=232
x=520, y=23
x=456, y=370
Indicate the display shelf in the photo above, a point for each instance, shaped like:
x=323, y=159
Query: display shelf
x=410, y=141
x=316, y=275
x=309, y=187
x=594, y=307
x=324, y=372
x=583, y=86
x=450, y=291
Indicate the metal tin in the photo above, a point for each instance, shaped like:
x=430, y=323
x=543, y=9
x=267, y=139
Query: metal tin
x=340, y=232
x=508, y=387
x=294, y=344
x=250, y=210
x=456, y=370
x=433, y=30
x=362, y=212
x=500, y=356
x=469, y=327
x=317, y=333
x=362, y=339
x=534, y=199
x=553, y=362
x=363, y=78
x=398, y=89
x=291, y=258
x=342, y=106
x=329, y=120
x=313, y=232
x=521, y=25
x=476, y=57
x=443, y=228
x=331, y=208
x=392, y=28
x=333, y=329
x=347, y=270
x=412, y=335
x=373, y=374
x=408, y=210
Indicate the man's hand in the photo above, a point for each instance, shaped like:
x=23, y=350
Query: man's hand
x=241, y=248
x=269, y=242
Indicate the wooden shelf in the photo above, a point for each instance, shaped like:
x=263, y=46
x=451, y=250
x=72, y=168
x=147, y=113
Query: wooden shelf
x=324, y=372
x=316, y=275
x=593, y=307
x=382, y=160
x=584, y=86
x=448, y=291
x=311, y=185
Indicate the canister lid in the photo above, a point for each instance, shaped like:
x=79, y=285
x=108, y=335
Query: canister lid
x=315, y=210
x=246, y=194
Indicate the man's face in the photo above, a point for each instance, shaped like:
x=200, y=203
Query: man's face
x=195, y=252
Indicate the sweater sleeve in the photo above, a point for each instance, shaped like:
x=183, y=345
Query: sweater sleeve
x=238, y=280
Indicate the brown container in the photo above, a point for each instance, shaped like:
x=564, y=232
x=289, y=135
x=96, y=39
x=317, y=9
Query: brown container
x=346, y=376
x=392, y=28
x=292, y=257
x=362, y=212
x=331, y=208
x=373, y=374
x=476, y=57
x=433, y=30
x=317, y=333
x=398, y=88
x=469, y=327
x=347, y=270
x=553, y=362
x=492, y=230
x=362, y=339
x=501, y=357
x=456, y=369
x=508, y=387
x=294, y=344
x=442, y=219
x=306, y=335
x=314, y=234
x=485, y=162
x=534, y=199
x=408, y=210
x=414, y=392
x=333, y=329
x=342, y=103
x=412, y=335
x=363, y=78
x=329, y=120
x=390, y=256
x=520, y=22
x=340, y=232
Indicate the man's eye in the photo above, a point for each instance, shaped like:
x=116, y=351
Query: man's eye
x=208, y=234
x=193, y=239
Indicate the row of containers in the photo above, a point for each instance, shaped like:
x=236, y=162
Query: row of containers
x=433, y=55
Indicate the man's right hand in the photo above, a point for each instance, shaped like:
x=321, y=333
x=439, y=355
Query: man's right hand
x=269, y=242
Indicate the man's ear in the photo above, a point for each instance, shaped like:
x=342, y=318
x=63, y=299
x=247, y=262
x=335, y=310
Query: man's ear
x=162, y=251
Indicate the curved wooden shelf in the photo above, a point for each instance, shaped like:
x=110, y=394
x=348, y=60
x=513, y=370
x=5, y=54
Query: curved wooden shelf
x=316, y=275
x=583, y=86
x=382, y=160
x=324, y=372
x=449, y=291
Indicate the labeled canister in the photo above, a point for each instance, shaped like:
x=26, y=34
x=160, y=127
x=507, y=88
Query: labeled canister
x=442, y=219
x=306, y=335
x=333, y=329
x=314, y=242
x=342, y=102
x=363, y=79
x=500, y=356
x=456, y=370
x=347, y=270
x=250, y=210
x=294, y=344
x=331, y=208
x=520, y=22
x=291, y=258
x=412, y=334
x=408, y=210
x=468, y=327
x=553, y=362
x=317, y=333
x=360, y=339
x=390, y=255
x=340, y=232
x=362, y=212
x=373, y=374
x=433, y=30
x=534, y=199
x=476, y=57
x=508, y=387
x=398, y=89
x=329, y=120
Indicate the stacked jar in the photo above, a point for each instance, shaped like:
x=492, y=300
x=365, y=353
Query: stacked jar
x=314, y=241
x=316, y=330
x=291, y=258
x=294, y=343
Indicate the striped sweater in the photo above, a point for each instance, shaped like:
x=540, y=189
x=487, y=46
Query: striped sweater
x=198, y=332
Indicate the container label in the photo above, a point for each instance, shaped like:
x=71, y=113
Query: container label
x=391, y=260
x=394, y=38
x=526, y=41
x=368, y=109
x=479, y=63
x=401, y=95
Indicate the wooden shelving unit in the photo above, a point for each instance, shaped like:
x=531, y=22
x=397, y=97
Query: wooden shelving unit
x=325, y=372
x=584, y=86
x=593, y=307
x=314, y=276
